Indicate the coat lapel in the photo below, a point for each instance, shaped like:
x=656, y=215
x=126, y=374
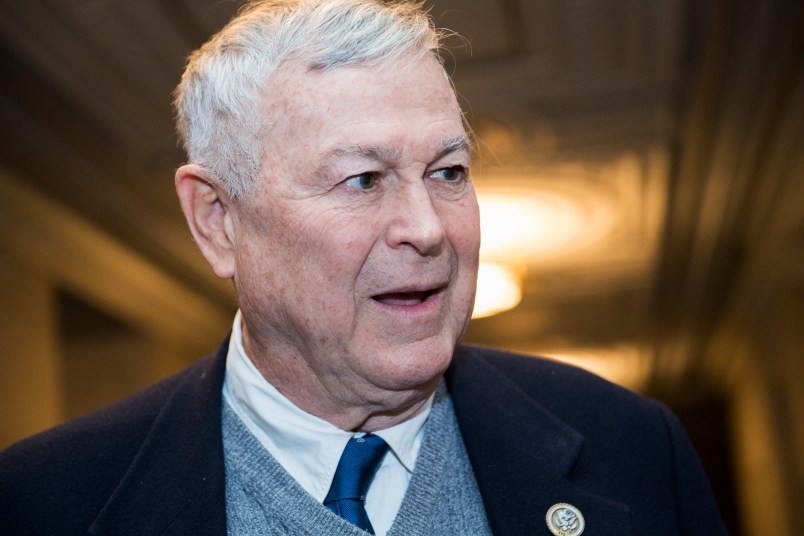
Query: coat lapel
x=176, y=483
x=522, y=454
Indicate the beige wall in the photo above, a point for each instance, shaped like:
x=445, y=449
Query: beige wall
x=30, y=386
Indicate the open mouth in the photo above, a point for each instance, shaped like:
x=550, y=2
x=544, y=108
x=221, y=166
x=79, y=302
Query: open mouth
x=406, y=299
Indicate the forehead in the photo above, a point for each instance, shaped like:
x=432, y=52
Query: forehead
x=390, y=104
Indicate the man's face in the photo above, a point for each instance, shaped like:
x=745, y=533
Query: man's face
x=357, y=255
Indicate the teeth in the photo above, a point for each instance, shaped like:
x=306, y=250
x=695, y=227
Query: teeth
x=402, y=298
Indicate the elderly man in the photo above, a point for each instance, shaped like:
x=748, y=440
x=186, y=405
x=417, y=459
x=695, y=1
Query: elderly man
x=329, y=180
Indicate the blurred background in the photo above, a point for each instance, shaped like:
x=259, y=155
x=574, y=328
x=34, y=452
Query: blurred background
x=640, y=169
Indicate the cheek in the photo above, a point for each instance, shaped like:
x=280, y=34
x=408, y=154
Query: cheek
x=255, y=277
x=463, y=230
x=347, y=242
x=269, y=253
x=329, y=254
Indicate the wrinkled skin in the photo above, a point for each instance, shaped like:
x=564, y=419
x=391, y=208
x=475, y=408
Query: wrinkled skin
x=355, y=260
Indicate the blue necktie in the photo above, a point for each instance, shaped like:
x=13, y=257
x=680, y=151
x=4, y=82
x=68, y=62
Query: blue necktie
x=347, y=496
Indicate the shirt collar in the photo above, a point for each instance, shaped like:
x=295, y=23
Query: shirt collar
x=307, y=446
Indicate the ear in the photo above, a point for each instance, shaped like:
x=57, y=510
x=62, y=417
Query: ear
x=206, y=207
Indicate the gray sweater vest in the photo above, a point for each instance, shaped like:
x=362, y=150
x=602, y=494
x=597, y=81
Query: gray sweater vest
x=442, y=497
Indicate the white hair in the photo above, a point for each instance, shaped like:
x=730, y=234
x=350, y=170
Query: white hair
x=218, y=100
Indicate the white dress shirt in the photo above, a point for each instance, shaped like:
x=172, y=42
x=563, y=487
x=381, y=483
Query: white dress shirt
x=308, y=447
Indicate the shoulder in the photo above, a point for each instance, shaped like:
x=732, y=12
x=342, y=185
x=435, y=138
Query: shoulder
x=612, y=419
x=555, y=385
x=133, y=414
x=80, y=462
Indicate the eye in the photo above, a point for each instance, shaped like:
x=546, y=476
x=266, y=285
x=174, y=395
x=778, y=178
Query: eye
x=450, y=174
x=364, y=181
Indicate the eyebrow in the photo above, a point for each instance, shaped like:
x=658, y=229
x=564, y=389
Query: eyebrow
x=377, y=153
x=384, y=153
x=454, y=145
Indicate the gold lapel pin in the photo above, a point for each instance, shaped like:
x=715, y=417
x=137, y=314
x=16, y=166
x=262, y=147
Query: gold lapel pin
x=565, y=520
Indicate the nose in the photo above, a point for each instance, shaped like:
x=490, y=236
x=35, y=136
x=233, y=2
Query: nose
x=415, y=222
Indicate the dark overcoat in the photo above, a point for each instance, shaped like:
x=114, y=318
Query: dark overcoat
x=537, y=433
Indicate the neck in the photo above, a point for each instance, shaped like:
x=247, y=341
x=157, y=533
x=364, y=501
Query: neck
x=349, y=402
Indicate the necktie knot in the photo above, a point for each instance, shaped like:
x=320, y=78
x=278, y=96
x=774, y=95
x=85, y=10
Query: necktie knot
x=360, y=460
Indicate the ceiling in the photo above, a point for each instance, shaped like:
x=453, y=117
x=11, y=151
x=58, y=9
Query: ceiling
x=663, y=137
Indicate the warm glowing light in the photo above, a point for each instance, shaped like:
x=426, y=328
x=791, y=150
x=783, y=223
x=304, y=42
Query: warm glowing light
x=499, y=288
x=518, y=222
x=522, y=225
x=623, y=364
